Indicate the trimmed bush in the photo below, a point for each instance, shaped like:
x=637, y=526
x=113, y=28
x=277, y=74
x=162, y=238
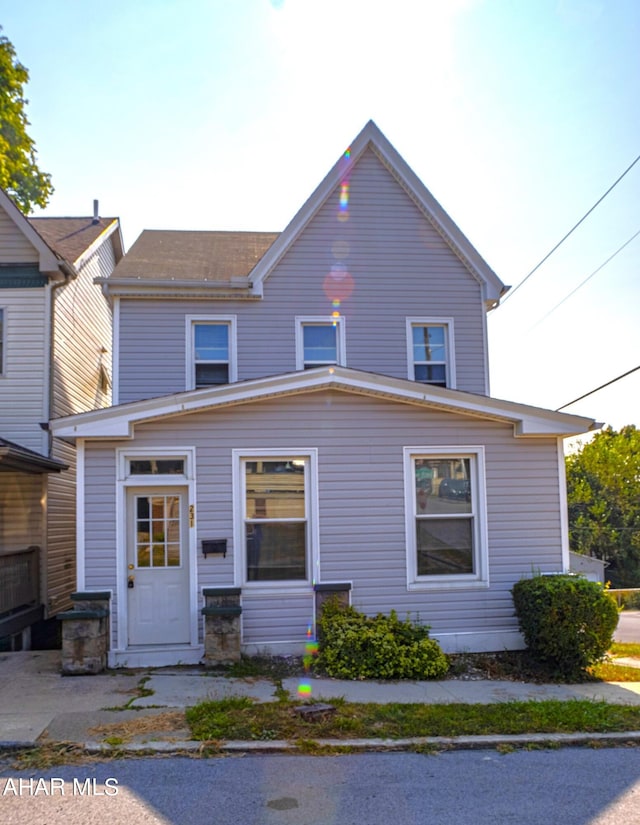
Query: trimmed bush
x=567, y=621
x=355, y=646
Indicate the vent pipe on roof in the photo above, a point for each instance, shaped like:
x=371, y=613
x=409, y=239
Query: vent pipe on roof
x=96, y=216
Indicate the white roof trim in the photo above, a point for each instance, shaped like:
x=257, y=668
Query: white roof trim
x=372, y=137
x=120, y=421
x=48, y=261
x=114, y=226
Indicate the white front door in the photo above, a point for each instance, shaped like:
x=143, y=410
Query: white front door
x=158, y=565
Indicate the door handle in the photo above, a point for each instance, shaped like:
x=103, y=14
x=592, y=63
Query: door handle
x=130, y=582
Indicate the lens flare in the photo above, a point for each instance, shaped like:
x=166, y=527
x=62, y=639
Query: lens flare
x=304, y=689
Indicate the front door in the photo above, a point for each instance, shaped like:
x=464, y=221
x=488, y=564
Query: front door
x=158, y=566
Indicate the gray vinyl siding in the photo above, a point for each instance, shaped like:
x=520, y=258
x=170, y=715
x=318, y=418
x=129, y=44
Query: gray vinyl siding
x=23, y=383
x=60, y=567
x=400, y=267
x=14, y=247
x=82, y=330
x=361, y=504
x=82, y=340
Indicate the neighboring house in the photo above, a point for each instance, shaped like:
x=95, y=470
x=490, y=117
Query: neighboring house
x=316, y=404
x=55, y=359
x=588, y=566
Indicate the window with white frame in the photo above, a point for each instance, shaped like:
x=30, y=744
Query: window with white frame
x=320, y=342
x=430, y=351
x=2, y=325
x=446, y=521
x=276, y=500
x=211, y=351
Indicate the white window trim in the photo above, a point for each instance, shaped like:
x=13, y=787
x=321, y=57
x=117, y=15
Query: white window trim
x=449, y=339
x=313, y=532
x=190, y=366
x=126, y=481
x=479, y=579
x=341, y=337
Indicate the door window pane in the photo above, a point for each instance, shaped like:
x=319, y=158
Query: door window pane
x=157, y=531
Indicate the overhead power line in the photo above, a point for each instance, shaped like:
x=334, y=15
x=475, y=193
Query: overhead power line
x=513, y=291
x=597, y=389
x=588, y=278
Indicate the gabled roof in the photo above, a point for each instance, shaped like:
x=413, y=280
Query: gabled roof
x=73, y=238
x=221, y=264
x=48, y=260
x=164, y=258
x=120, y=421
x=13, y=457
x=372, y=138
x=63, y=242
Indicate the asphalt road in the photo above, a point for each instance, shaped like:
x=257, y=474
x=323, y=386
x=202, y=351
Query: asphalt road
x=573, y=786
x=628, y=629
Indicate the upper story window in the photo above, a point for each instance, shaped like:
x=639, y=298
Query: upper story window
x=1, y=341
x=446, y=521
x=320, y=342
x=430, y=351
x=211, y=351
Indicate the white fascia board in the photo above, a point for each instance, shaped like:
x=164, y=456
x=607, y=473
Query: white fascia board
x=92, y=248
x=236, y=289
x=119, y=422
x=48, y=261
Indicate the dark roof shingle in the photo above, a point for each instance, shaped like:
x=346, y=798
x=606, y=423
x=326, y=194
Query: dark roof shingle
x=160, y=254
x=70, y=237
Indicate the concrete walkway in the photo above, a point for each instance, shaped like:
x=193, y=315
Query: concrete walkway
x=39, y=704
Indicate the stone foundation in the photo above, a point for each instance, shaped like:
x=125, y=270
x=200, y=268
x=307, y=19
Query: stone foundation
x=85, y=634
x=221, y=611
x=323, y=592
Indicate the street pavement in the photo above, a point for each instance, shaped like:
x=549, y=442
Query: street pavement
x=39, y=704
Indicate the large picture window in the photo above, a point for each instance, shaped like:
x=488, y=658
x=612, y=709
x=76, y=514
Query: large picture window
x=276, y=494
x=211, y=348
x=446, y=533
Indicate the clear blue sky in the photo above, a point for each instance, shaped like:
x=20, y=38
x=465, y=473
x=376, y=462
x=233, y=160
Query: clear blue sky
x=516, y=114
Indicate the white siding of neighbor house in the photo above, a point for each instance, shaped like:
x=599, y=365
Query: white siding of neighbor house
x=23, y=401
x=82, y=330
x=14, y=247
x=400, y=268
x=361, y=505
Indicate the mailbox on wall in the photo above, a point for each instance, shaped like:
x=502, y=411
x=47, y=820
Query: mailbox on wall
x=217, y=547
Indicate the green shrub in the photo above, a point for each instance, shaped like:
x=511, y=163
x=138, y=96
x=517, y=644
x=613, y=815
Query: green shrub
x=355, y=646
x=567, y=621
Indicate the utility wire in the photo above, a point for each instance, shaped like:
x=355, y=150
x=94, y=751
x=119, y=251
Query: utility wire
x=513, y=291
x=588, y=278
x=597, y=389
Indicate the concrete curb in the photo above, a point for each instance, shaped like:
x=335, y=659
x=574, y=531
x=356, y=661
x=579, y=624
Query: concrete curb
x=363, y=745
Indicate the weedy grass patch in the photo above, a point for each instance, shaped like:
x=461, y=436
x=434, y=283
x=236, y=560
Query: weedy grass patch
x=243, y=719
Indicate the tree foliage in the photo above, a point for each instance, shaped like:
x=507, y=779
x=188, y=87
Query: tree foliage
x=603, y=488
x=20, y=176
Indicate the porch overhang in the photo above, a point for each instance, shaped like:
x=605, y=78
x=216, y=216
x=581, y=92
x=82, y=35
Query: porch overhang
x=14, y=458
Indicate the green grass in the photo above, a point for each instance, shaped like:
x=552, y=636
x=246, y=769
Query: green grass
x=627, y=649
x=242, y=719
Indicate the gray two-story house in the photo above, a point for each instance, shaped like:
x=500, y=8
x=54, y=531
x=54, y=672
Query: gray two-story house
x=310, y=407
x=55, y=359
